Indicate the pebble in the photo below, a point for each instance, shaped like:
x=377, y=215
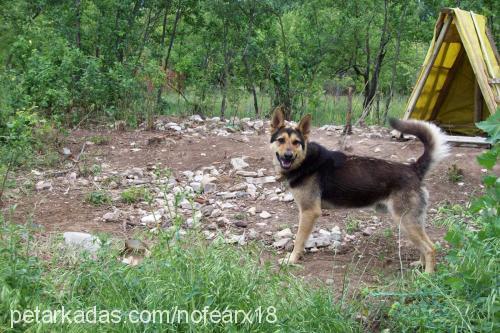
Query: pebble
x=43, y=185
x=82, y=240
x=285, y=233
x=239, y=163
x=265, y=215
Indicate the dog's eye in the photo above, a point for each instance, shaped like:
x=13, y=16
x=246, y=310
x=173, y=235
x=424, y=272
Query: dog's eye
x=281, y=140
x=296, y=142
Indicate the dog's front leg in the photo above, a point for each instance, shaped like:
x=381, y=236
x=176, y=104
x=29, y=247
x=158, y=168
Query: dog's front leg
x=306, y=223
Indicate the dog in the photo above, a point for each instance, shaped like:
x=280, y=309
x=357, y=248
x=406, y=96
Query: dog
x=323, y=179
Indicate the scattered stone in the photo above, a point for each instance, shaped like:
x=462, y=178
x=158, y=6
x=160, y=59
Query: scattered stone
x=288, y=197
x=247, y=173
x=238, y=187
x=265, y=215
x=285, y=233
x=261, y=180
x=318, y=241
x=251, y=211
x=368, y=231
x=252, y=190
x=241, y=224
x=227, y=205
x=43, y=185
x=82, y=240
x=212, y=226
x=222, y=221
x=252, y=234
x=216, y=213
x=281, y=243
x=239, y=163
x=207, y=210
x=113, y=216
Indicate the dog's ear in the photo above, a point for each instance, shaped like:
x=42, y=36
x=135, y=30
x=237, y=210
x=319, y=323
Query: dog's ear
x=278, y=120
x=305, y=126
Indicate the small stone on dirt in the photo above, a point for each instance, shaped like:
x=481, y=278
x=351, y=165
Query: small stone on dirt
x=241, y=224
x=43, y=185
x=82, y=240
x=239, y=163
x=285, y=233
x=265, y=215
x=281, y=243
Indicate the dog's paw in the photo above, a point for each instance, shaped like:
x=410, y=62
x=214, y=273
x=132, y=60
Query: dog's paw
x=289, y=259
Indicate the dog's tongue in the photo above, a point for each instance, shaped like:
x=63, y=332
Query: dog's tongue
x=286, y=164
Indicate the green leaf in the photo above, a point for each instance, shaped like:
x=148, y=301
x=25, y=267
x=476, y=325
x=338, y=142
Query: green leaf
x=491, y=126
x=488, y=159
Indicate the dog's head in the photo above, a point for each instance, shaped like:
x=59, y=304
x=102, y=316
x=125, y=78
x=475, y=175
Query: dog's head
x=289, y=144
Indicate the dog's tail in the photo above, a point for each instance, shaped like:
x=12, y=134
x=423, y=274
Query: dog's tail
x=435, y=147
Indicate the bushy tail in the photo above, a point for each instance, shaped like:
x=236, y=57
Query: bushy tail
x=435, y=147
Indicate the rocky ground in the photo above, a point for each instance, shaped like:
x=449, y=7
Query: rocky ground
x=218, y=177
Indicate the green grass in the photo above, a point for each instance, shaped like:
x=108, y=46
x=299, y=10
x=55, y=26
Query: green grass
x=98, y=198
x=325, y=109
x=186, y=274
x=135, y=194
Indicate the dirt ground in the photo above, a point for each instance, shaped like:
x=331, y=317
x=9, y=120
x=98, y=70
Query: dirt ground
x=367, y=257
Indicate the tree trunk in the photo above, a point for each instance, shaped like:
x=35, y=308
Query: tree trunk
x=371, y=87
x=285, y=95
x=170, y=45
x=225, y=74
x=390, y=95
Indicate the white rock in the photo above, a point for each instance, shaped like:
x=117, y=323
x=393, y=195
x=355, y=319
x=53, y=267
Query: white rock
x=260, y=180
x=112, y=216
x=239, y=163
x=82, y=240
x=251, y=211
x=318, y=241
x=281, y=243
x=287, y=197
x=246, y=173
x=227, y=205
x=196, y=118
x=43, y=185
x=265, y=215
x=149, y=219
x=285, y=233
x=188, y=174
x=252, y=190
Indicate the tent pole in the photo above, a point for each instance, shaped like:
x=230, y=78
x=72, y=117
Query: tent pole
x=427, y=69
x=478, y=103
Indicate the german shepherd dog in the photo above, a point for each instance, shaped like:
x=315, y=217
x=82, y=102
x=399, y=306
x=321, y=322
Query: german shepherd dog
x=320, y=178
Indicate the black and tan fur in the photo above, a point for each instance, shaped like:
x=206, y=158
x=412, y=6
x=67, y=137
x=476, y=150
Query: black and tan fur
x=319, y=178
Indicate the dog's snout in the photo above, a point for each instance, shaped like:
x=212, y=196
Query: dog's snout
x=288, y=155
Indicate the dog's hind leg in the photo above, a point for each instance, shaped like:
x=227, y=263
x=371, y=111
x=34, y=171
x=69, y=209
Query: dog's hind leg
x=408, y=212
x=308, y=217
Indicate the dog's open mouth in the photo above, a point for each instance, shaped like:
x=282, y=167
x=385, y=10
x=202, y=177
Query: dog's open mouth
x=286, y=163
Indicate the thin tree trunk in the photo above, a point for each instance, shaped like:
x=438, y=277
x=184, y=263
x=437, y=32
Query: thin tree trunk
x=169, y=50
x=390, y=95
x=286, y=96
x=371, y=88
x=225, y=74
x=247, y=65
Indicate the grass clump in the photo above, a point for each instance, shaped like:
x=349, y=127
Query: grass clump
x=98, y=198
x=135, y=194
x=99, y=140
x=187, y=275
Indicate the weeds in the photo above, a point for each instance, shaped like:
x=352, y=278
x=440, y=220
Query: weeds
x=98, y=198
x=135, y=194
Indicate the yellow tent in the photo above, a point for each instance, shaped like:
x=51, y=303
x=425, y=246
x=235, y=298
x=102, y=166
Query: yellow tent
x=459, y=81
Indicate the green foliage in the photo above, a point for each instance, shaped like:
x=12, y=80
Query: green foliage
x=135, y=194
x=98, y=198
x=463, y=295
x=181, y=273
